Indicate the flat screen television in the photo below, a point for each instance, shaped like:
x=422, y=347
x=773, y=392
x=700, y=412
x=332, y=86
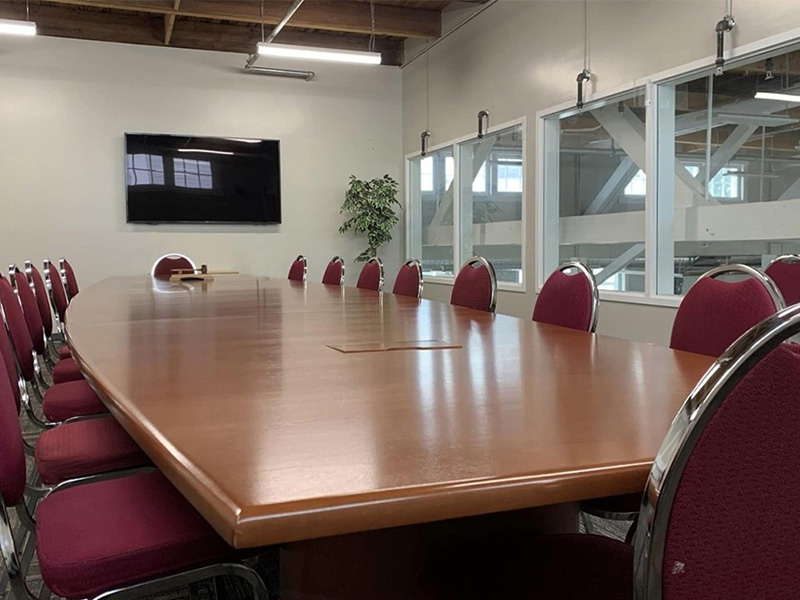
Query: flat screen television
x=188, y=179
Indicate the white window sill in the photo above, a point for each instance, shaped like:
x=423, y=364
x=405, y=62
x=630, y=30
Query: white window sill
x=501, y=285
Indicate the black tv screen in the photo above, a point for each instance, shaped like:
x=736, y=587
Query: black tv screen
x=187, y=179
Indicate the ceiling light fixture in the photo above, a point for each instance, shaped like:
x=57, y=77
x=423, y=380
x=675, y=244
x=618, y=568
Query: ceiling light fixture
x=9, y=27
x=326, y=54
x=777, y=96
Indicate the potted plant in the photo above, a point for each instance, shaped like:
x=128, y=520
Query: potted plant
x=371, y=204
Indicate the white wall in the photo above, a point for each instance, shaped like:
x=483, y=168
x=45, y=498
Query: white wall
x=65, y=105
x=522, y=56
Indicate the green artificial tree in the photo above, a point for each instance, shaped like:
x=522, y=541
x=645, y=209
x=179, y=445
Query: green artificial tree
x=371, y=204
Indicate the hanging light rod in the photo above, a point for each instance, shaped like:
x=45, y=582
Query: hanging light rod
x=289, y=73
x=777, y=96
x=10, y=27
x=327, y=54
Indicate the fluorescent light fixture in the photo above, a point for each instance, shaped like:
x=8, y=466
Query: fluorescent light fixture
x=9, y=27
x=775, y=96
x=203, y=151
x=244, y=140
x=347, y=56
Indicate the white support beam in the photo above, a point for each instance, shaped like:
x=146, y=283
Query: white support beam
x=484, y=149
x=727, y=151
x=628, y=132
x=792, y=192
x=613, y=187
x=619, y=263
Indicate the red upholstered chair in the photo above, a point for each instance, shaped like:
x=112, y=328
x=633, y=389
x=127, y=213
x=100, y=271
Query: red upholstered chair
x=718, y=514
x=569, y=299
x=299, y=269
x=135, y=535
x=37, y=284
x=63, y=370
x=58, y=294
x=476, y=285
x=68, y=277
x=714, y=313
x=785, y=272
x=77, y=448
x=162, y=268
x=59, y=402
x=371, y=276
x=409, y=279
x=334, y=272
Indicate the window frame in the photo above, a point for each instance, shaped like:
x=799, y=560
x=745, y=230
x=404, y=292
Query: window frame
x=547, y=126
x=459, y=260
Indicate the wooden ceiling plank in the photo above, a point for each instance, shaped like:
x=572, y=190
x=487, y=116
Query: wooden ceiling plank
x=333, y=15
x=147, y=29
x=169, y=23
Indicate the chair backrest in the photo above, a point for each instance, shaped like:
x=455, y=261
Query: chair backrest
x=371, y=276
x=569, y=299
x=334, y=272
x=68, y=276
x=718, y=516
x=714, y=313
x=299, y=269
x=30, y=309
x=56, y=287
x=36, y=282
x=409, y=279
x=12, y=451
x=8, y=359
x=785, y=272
x=162, y=268
x=476, y=285
x=17, y=329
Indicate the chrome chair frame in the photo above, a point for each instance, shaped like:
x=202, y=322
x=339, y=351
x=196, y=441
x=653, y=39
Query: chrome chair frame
x=377, y=260
x=52, y=351
x=19, y=586
x=340, y=260
x=62, y=270
x=492, y=277
x=592, y=285
x=57, y=324
x=38, y=381
x=170, y=255
x=790, y=258
x=687, y=427
x=305, y=266
x=413, y=262
x=760, y=276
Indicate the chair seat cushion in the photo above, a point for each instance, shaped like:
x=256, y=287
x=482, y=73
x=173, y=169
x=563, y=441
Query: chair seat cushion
x=64, y=352
x=552, y=567
x=71, y=399
x=106, y=535
x=85, y=448
x=66, y=370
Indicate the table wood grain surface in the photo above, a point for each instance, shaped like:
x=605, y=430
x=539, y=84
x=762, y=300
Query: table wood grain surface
x=232, y=389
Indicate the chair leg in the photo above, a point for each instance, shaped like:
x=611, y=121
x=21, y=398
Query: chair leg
x=151, y=587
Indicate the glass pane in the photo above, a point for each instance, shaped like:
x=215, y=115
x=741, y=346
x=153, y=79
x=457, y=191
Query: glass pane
x=602, y=189
x=736, y=189
x=491, y=215
x=431, y=209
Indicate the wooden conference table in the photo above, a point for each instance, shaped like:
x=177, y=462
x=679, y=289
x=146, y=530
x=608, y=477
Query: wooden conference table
x=232, y=389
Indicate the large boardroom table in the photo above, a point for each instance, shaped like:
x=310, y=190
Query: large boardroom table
x=234, y=391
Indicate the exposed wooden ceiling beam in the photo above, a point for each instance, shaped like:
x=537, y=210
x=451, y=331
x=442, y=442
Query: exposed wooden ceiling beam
x=148, y=29
x=331, y=15
x=169, y=23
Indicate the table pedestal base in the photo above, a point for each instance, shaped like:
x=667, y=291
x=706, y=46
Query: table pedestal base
x=390, y=564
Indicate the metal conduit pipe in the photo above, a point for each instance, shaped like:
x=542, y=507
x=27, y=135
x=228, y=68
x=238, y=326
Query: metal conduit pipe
x=275, y=31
